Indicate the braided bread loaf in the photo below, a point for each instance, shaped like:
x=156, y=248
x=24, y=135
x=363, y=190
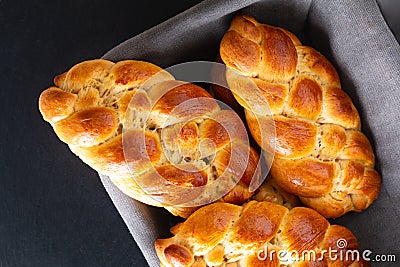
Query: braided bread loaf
x=133, y=120
x=313, y=127
x=223, y=234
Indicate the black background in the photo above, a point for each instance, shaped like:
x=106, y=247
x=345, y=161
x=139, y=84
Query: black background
x=53, y=209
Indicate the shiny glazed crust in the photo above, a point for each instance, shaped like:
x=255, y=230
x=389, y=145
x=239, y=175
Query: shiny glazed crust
x=223, y=234
x=88, y=107
x=320, y=153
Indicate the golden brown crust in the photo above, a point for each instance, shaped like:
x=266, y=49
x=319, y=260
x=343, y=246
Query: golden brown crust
x=330, y=204
x=367, y=190
x=141, y=149
x=88, y=127
x=246, y=54
x=275, y=94
x=245, y=26
x=107, y=158
x=86, y=73
x=294, y=138
x=304, y=229
x=214, y=131
x=339, y=109
x=209, y=232
x=56, y=104
x=291, y=174
x=179, y=95
x=358, y=148
x=305, y=100
x=270, y=191
x=188, y=177
x=259, y=222
x=331, y=142
x=133, y=73
x=171, y=134
x=279, y=56
x=332, y=239
x=311, y=125
x=178, y=256
x=223, y=234
x=315, y=64
x=241, y=192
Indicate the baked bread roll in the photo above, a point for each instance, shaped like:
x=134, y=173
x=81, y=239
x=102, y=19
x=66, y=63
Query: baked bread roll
x=312, y=126
x=270, y=191
x=223, y=234
x=161, y=141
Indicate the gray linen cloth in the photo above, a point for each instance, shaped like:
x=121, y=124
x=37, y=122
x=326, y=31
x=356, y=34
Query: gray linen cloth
x=352, y=34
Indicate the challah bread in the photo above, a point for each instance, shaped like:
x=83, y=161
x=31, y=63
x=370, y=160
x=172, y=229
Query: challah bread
x=270, y=191
x=223, y=234
x=313, y=128
x=161, y=141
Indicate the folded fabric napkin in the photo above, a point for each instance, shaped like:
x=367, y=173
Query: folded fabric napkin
x=353, y=35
